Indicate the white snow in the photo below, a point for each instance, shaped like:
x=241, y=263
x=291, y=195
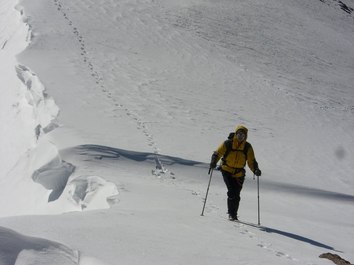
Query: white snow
x=110, y=111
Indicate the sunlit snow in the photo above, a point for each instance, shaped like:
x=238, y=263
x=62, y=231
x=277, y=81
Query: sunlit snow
x=110, y=112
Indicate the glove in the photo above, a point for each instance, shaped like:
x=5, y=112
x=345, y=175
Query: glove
x=257, y=172
x=213, y=161
x=212, y=164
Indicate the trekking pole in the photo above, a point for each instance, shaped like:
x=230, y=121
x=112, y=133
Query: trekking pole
x=206, y=195
x=259, y=212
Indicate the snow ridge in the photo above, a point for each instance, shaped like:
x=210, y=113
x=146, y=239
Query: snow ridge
x=44, y=110
x=43, y=159
x=13, y=39
x=41, y=112
x=20, y=250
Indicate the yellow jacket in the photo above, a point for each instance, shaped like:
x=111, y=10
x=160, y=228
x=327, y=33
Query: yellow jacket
x=235, y=161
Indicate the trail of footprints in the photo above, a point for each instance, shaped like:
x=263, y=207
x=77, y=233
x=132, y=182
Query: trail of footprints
x=94, y=73
x=244, y=230
x=264, y=245
x=160, y=169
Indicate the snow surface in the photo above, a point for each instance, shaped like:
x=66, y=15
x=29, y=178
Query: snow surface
x=112, y=109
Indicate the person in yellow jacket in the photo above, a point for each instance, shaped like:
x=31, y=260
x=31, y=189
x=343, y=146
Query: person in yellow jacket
x=235, y=153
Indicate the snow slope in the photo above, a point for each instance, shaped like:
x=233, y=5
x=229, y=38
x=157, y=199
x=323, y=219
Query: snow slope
x=118, y=105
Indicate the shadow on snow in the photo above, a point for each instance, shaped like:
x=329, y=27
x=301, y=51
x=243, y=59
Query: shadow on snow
x=105, y=152
x=290, y=235
x=34, y=250
x=298, y=237
x=308, y=191
x=54, y=175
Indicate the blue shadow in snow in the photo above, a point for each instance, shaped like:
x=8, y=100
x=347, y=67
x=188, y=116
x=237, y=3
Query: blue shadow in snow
x=298, y=237
x=100, y=152
x=13, y=243
x=291, y=235
x=308, y=191
x=105, y=152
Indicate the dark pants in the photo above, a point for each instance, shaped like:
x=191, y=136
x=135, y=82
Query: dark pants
x=234, y=187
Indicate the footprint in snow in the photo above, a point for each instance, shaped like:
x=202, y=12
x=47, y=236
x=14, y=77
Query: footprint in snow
x=266, y=246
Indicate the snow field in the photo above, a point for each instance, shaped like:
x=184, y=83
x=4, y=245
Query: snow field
x=145, y=91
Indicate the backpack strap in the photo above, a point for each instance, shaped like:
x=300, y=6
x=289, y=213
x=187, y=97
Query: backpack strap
x=228, y=145
x=245, y=150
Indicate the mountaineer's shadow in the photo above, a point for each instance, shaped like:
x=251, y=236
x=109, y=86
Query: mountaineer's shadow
x=291, y=235
x=298, y=237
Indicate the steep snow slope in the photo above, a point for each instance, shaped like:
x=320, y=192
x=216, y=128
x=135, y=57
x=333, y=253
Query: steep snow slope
x=280, y=68
x=153, y=87
x=13, y=35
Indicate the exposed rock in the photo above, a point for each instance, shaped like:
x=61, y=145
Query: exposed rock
x=335, y=258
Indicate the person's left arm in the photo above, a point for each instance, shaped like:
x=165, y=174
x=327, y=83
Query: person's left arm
x=252, y=162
